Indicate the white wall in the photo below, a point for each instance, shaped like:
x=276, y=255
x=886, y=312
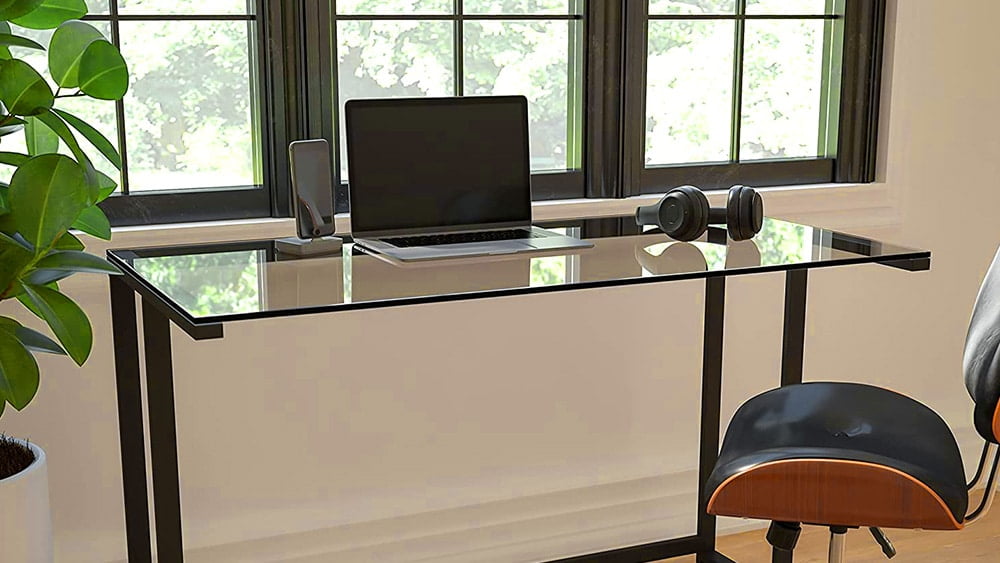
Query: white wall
x=548, y=440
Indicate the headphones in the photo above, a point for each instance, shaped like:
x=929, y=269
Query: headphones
x=684, y=213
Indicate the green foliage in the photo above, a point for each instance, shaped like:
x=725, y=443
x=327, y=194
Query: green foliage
x=9, y=40
x=68, y=45
x=103, y=74
x=22, y=89
x=49, y=192
x=13, y=9
x=39, y=139
x=51, y=13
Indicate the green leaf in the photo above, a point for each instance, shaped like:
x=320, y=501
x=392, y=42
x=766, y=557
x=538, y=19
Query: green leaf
x=107, y=186
x=14, y=257
x=23, y=298
x=94, y=222
x=22, y=89
x=45, y=277
x=32, y=339
x=38, y=342
x=13, y=158
x=39, y=138
x=18, y=371
x=13, y=9
x=4, y=206
x=68, y=242
x=76, y=261
x=63, y=131
x=66, y=319
x=66, y=49
x=103, y=73
x=10, y=125
x=47, y=194
x=9, y=40
x=96, y=138
x=50, y=13
x=4, y=54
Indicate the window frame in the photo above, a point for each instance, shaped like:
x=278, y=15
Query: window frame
x=293, y=72
x=545, y=185
x=215, y=203
x=863, y=24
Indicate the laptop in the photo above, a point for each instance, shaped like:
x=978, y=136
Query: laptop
x=434, y=178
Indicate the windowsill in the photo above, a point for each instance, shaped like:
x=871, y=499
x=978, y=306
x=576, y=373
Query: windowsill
x=841, y=206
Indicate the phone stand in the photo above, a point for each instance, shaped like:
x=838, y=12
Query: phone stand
x=309, y=247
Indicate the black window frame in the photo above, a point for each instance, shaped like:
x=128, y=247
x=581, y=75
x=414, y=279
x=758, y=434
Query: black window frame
x=293, y=65
x=545, y=185
x=863, y=24
x=224, y=203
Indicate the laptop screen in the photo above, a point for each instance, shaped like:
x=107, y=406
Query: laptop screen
x=428, y=163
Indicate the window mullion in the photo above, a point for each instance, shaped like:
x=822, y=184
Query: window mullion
x=459, y=42
x=739, y=48
x=119, y=104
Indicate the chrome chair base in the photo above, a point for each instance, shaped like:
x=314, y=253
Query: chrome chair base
x=838, y=540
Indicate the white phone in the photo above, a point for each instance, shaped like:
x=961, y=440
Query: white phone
x=312, y=188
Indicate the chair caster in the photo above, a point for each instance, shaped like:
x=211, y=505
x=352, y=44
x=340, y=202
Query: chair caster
x=883, y=542
x=784, y=535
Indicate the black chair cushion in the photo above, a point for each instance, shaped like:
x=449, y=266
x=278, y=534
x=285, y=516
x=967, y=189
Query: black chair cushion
x=845, y=421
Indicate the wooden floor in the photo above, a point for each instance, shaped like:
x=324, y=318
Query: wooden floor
x=978, y=542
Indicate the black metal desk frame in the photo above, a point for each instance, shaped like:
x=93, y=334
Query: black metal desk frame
x=158, y=312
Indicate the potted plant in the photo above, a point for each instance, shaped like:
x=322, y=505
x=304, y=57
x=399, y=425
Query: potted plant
x=53, y=187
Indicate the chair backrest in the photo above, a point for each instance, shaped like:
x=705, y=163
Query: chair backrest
x=982, y=355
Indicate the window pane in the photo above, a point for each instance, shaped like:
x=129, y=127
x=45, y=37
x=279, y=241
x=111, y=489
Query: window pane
x=97, y=7
x=394, y=7
x=782, y=88
x=378, y=59
x=662, y=7
x=184, y=6
x=689, y=91
x=188, y=111
x=519, y=7
x=530, y=59
x=791, y=7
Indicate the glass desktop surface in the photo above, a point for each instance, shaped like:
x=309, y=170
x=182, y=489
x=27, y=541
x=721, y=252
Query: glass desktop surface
x=216, y=283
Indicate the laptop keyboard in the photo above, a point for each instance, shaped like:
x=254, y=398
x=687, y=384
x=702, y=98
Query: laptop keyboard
x=456, y=238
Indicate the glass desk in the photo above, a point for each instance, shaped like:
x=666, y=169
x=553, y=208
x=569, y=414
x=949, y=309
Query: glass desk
x=201, y=288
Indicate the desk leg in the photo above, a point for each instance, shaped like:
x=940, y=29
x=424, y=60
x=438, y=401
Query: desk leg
x=792, y=349
x=130, y=422
x=794, y=337
x=162, y=434
x=711, y=404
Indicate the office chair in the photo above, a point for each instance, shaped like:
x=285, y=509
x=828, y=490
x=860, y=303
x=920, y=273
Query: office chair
x=847, y=455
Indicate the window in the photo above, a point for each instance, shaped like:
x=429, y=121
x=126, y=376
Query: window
x=190, y=128
x=736, y=91
x=473, y=47
x=626, y=96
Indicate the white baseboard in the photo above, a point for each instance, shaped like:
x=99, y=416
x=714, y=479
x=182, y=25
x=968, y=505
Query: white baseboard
x=527, y=529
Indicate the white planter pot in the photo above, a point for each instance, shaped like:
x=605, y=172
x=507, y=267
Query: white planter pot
x=25, y=520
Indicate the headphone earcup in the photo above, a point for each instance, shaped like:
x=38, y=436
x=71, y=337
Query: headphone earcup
x=696, y=210
x=745, y=211
x=733, y=219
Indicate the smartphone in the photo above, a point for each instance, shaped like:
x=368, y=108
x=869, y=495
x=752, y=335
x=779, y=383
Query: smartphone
x=312, y=188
